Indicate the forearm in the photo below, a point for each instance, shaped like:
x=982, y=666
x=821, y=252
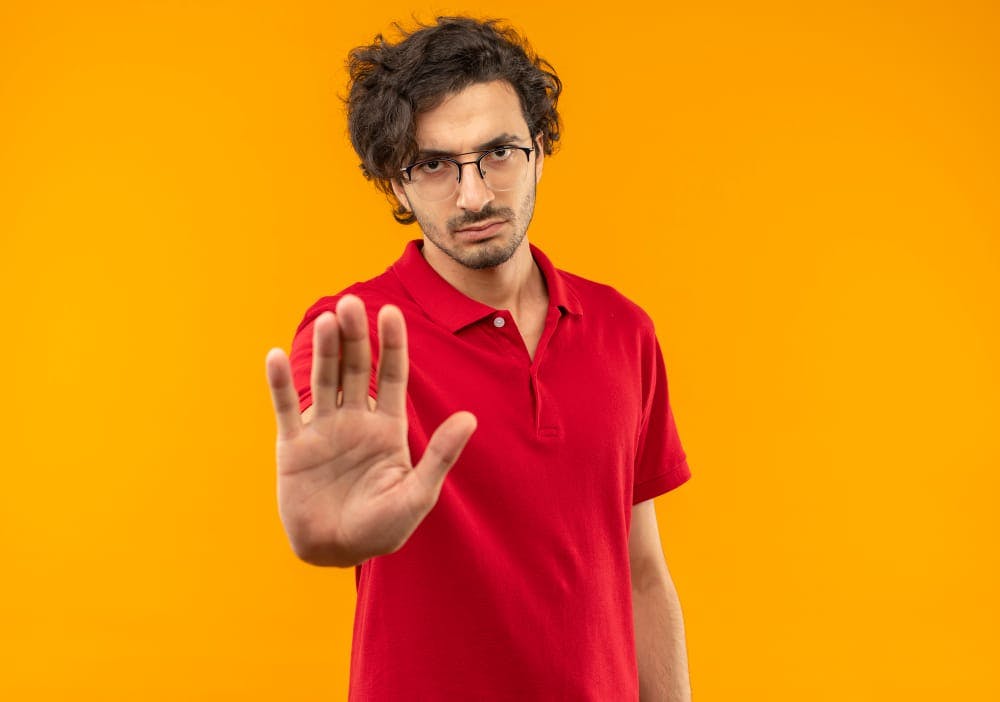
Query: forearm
x=660, y=645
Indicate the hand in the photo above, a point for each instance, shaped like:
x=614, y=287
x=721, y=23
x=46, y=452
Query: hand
x=347, y=490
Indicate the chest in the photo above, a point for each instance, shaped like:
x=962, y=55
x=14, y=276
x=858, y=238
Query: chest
x=562, y=422
x=530, y=326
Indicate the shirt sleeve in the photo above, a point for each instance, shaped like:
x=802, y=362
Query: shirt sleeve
x=661, y=464
x=301, y=355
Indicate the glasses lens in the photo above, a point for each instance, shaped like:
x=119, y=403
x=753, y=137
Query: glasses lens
x=503, y=168
x=434, y=180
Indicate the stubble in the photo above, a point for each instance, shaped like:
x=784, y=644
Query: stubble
x=484, y=254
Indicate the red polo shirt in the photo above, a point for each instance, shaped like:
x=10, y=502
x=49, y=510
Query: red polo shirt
x=516, y=586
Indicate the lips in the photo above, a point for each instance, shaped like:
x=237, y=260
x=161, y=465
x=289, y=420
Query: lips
x=480, y=227
x=481, y=230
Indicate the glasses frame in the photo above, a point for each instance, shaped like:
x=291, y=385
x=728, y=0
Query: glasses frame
x=460, y=165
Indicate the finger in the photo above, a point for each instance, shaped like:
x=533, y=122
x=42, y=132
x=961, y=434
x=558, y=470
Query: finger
x=283, y=395
x=442, y=451
x=393, y=364
x=326, y=363
x=356, y=352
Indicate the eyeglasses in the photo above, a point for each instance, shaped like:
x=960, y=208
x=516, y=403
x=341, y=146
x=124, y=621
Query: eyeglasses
x=438, y=178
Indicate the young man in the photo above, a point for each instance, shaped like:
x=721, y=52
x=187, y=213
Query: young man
x=534, y=571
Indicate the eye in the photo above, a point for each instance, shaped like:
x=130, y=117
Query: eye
x=430, y=167
x=501, y=153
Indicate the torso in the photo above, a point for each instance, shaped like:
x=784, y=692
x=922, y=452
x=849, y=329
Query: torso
x=515, y=586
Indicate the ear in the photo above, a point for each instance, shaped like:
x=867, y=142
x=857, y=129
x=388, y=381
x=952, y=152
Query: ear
x=539, y=157
x=400, y=193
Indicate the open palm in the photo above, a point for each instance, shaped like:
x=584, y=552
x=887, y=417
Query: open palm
x=347, y=489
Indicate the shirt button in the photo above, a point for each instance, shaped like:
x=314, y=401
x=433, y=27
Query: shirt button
x=498, y=322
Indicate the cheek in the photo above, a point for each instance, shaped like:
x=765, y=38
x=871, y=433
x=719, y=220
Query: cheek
x=431, y=219
x=528, y=202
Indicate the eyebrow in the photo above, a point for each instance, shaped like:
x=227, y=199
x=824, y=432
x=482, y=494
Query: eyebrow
x=500, y=140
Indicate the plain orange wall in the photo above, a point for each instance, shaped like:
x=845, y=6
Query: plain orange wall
x=804, y=196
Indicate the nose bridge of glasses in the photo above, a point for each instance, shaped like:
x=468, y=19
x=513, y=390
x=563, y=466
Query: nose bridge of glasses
x=477, y=162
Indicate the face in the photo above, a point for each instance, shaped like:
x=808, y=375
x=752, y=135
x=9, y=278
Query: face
x=476, y=227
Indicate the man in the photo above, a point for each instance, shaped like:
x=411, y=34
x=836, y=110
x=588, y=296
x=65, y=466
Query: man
x=534, y=571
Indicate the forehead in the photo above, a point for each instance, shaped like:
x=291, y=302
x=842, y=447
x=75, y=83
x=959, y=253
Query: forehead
x=470, y=118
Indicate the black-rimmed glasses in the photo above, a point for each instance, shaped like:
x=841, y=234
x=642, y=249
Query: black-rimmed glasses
x=438, y=178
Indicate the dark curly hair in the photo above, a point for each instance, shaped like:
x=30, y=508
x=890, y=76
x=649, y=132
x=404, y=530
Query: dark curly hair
x=390, y=84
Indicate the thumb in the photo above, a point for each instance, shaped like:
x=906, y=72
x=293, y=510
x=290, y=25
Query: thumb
x=443, y=450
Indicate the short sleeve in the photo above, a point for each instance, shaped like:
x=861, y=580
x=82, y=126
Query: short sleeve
x=302, y=349
x=661, y=464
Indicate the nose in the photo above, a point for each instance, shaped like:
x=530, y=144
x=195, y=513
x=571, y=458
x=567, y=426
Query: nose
x=472, y=191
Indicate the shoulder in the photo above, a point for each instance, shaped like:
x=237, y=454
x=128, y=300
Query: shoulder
x=375, y=292
x=600, y=301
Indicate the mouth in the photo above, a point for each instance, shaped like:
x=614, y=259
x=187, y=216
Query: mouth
x=480, y=231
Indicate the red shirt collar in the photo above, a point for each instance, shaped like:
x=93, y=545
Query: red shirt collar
x=454, y=310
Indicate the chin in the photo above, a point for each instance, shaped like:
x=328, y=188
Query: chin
x=486, y=254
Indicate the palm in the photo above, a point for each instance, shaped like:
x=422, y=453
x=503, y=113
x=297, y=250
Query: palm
x=346, y=487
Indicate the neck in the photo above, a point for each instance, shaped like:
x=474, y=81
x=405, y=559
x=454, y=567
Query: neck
x=511, y=286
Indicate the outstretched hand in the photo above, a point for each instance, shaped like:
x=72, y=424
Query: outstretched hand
x=347, y=489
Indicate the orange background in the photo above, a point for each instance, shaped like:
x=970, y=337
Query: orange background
x=804, y=197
